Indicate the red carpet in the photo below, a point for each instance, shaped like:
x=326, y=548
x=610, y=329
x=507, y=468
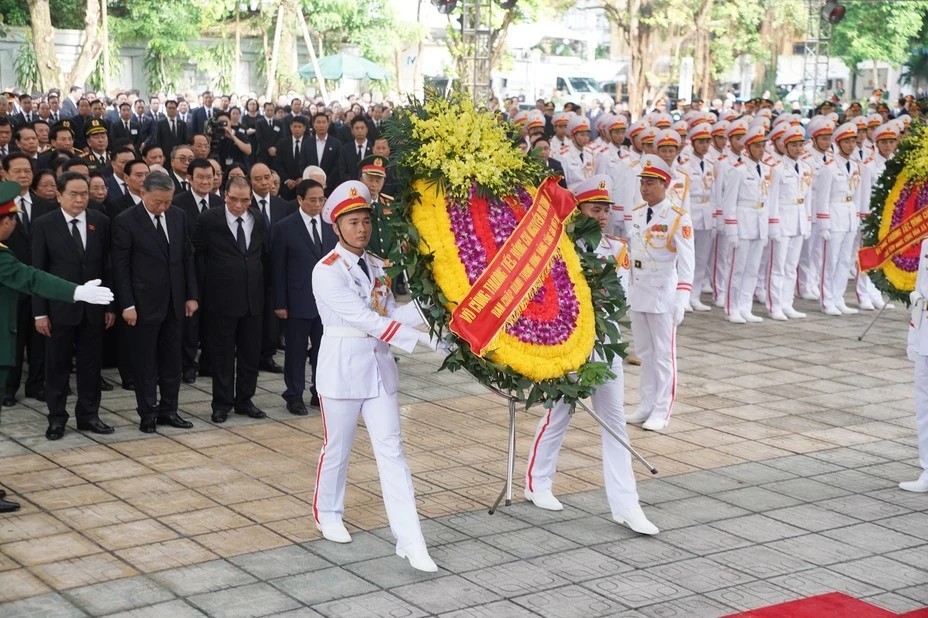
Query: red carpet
x=832, y=605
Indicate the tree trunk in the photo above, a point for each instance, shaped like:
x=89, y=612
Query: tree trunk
x=286, y=55
x=92, y=47
x=701, y=58
x=639, y=42
x=43, y=38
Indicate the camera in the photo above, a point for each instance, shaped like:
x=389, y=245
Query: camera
x=215, y=128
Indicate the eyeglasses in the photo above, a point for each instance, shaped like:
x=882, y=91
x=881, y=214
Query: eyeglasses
x=314, y=200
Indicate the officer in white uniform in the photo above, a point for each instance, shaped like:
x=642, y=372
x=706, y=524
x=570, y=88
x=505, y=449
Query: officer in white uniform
x=660, y=237
x=579, y=162
x=735, y=133
x=614, y=162
x=700, y=170
x=918, y=353
x=560, y=143
x=594, y=200
x=668, y=144
x=820, y=131
x=838, y=195
x=793, y=191
x=358, y=376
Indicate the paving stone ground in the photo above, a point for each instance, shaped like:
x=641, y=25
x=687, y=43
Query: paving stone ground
x=777, y=481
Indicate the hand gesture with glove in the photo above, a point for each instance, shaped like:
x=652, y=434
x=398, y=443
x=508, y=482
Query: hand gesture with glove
x=825, y=235
x=93, y=293
x=435, y=344
x=681, y=300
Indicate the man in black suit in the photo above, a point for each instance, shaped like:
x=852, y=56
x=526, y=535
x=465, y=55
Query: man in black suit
x=299, y=241
x=268, y=131
x=290, y=159
x=134, y=173
x=202, y=114
x=116, y=183
x=126, y=127
x=325, y=151
x=17, y=167
x=360, y=147
x=542, y=148
x=194, y=203
x=170, y=131
x=69, y=104
x=272, y=209
x=73, y=244
x=181, y=157
x=26, y=115
x=375, y=122
x=231, y=254
x=156, y=289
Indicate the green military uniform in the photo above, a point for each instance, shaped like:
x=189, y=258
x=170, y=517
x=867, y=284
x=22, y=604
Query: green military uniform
x=95, y=162
x=381, y=237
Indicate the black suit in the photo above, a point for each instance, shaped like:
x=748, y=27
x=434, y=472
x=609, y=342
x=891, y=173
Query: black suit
x=266, y=136
x=194, y=327
x=166, y=138
x=557, y=170
x=29, y=343
x=198, y=120
x=287, y=166
x=119, y=131
x=293, y=257
x=270, y=337
x=350, y=158
x=119, y=204
x=156, y=280
x=73, y=325
x=232, y=288
x=178, y=187
x=331, y=162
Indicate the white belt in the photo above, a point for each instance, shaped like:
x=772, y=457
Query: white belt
x=848, y=199
x=653, y=266
x=345, y=332
x=750, y=204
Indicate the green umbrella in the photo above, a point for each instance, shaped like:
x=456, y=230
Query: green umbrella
x=348, y=66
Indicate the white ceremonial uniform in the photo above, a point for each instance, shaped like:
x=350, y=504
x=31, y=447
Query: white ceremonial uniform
x=721, y=265
x=772, y=159
x=792, y=190
x=837, y=197
x=701, y=175
x=746, y=213
x=560, y=148
x=662, y=262
x=358, y=375
x=810, y=260
x=578, y=165
x=608, y=402
x=868, y=296
x=615, y=164
x=918, y=353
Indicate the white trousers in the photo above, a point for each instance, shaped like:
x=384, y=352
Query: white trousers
x=763, y=274
x=655, y=344
x=810, y=264
x=865, y=289
x=703, y=243
x=721, y=267
x=609, y=403
x=382, y=419
x=745, y=263
x=836, y=264
x=921, y=410
x=781, y=275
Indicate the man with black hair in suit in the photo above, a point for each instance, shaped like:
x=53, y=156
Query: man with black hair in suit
x=325, y=151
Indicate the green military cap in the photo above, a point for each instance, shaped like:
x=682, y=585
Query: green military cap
x=65, y=123
x=375, y=165
x=94, y=126
x=9, y=191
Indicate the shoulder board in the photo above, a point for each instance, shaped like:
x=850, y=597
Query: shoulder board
x=737, y=164
x=386, y=199
x=331, y=259
x=613, y=237
x=2, y=246
x=678, y=210
x=682, y=172
x=383, y=260
x=828, y=162
x=641, y=205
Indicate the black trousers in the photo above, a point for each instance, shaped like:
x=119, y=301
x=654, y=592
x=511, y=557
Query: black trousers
x=29, y=344
x=117, y=348
x=270, y=330
x=194, y=339
x=235, y=350
x=298, y=332
x=86, y=341
x=156, y=365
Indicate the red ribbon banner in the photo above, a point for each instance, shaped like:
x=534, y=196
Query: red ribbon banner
x=910, y=231
x=518, y=265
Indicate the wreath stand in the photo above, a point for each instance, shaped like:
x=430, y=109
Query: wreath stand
x=872, y=322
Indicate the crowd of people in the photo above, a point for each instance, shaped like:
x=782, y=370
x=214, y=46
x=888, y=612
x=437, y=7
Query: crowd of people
x=229, y=234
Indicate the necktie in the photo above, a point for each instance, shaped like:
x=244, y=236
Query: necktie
x=184, y=186
x=3, y=151
x=796, y=166
x=125, y=189
x=162, y=236
x=702, y=166
x=267, y=219
x=650, y=214
x=174, y=127
x=363, y=264
x=848, y=165
x=315, y=234
x=360, y=152
x=76, y=235
x=127, y=126
x=202, y=206
x=824, y=158
x=240, y=236
x=296, y=151
x=759, y=174
x=24, y=215
x=581, y=157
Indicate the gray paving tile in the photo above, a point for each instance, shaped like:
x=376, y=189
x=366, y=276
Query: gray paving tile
x=704, y=509
x=812, y=517
x=569, y=602
x=916, y=557
x=803, y=465
x=637, y=589
x=863, y=507
x=325, y=585
x=375, y=605
x=656, y=491
x=762, y=562
x=435, y=533
x=51, y=605
x=517, y=578
x=363, y=546
x=118, y=595
x=703, y=540
x=873, y=538
x=204, y=577
x=756, y=499
x=491, y=610
x=445, y=594
x=758, y=528
x=252, y=600
x=688, y=607
x=530, y=542
x=847, y=457
x=700, y=574
x=302, y=612
x=852, y=480
x=819, y=550
x=752, y=595
x=593, y=502
x=532, y=515
x=592, y=530
x=705, y=482
x=580, y=565
x=468, y=556
x=274, y=563
x=758, y=473
x=820, y=580
x=883, y=572
x=642, y=552
x=914, y=524
x=905, y=499
x=916, y=593
x=384, y=572
x=174, y=609
x=667, y=516
x=480, y=523
x=894, y=602
x=807, y=490
x=895, y=471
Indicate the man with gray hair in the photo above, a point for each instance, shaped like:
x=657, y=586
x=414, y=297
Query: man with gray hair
x=156, y=288
x=314, y=172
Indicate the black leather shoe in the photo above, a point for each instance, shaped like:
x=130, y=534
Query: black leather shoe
x=297, y=407
x=95, y=426
x=54, y=432
x=2, y=493
x=314, y=401
x=8, y=507
x=105, y=385
x=128, y=385
x=270, y=366
x=220, y=416
x=174, y=421
x=190, y=376
x=9, y=402
x=148, y=425
x=38, y=395
x=251, y=410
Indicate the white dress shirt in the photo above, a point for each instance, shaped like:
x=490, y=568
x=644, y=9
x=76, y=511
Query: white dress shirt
x=248, y=224
x=81, y=225
x=164, y=222
x=320, y=148
x=197, y=198
x=307, y=221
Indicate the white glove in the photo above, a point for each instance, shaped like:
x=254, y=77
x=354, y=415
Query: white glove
x=825, y=235
x=435, y=344
x=679, y=307
x=775, y=234
x=92, y=293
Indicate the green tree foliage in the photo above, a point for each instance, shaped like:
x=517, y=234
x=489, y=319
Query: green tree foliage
x=878, y=31
x=65, y=13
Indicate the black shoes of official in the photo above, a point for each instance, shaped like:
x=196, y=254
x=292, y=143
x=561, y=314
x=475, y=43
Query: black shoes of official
x=148, y=425
x=297, y=408
x=105, y=385
x=38, y=394
x=189, y=376
x=9, y=401
x=314, y=401
x=128, y=385
x=174, y=421
x=270, y=367
x=6, y=506
x=250, y=410
x=220, y=416
x=55, y=431
x=95, y=426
